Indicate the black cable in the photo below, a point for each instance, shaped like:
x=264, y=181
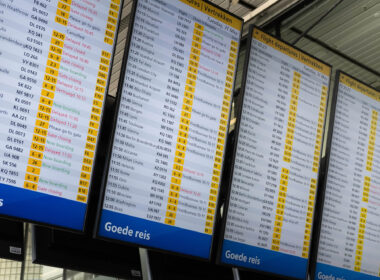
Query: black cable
x=317, y=22
x=337, y=52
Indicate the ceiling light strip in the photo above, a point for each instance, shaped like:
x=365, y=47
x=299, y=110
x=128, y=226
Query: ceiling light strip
x=259, y=9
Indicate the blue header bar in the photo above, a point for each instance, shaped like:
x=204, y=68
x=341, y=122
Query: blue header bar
x=329, y=272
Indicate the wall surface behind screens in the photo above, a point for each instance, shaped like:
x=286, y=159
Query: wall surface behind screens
x=168, y=146
x=55, y=58
x=276, y=164
x=349, y=244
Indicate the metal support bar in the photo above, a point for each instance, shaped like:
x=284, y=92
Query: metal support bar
x=333, y=50
x=145, y=266
x=317, y=22
x=235, y=273
x=263, y=7
x=26, y=231
x=247, y=5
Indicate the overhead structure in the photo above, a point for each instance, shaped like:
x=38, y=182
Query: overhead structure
x=264, y=12
x=347, y=39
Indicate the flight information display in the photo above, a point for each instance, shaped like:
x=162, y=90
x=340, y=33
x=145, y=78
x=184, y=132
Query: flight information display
x=55, y=57
x=165, y=168
x=349, y=244
x=276, y=164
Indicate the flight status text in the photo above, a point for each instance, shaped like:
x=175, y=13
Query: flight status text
x=276, y=165
x=167, y=156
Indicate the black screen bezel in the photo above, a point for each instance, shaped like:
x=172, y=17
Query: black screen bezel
x=100, y=131
x=109, y=150
x=12, y=235
x=328, y=153
x=79, y=252
x=237, y=127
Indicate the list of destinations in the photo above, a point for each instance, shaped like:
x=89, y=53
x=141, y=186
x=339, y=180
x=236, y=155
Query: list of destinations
x=55, y=57
x=276, y=165
x=349, y=245
x=164, y=174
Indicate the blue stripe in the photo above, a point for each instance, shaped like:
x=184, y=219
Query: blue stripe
x=329, y=272
x=38, y=207
x=153, y=234
x=252, y=257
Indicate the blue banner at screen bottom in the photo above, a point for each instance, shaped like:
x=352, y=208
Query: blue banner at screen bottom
x=31, y=205
x=252, y=257
x=329, y=272
x=152, y=234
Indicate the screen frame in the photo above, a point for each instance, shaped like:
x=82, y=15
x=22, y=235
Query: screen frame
x=161, y=264
x=48, y=248
x=112, y=137
x=231, y=169
x=318, y=223
x=19, y=240
x=89, y=200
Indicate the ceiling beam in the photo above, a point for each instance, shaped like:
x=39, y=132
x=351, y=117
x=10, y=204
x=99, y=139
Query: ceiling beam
x=247, y=5
x=335, y=51
x=259, y=9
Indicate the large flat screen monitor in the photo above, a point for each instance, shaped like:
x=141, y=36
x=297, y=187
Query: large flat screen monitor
x=349, y=241
x=55, y=58
x=276, y=160
x=161, y=188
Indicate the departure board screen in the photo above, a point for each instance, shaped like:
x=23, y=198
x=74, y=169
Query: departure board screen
x=165, y=168
x=276, y=164
x=55, y=58
x=349, y=244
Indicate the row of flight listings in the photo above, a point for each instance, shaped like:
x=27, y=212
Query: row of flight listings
x=163, y=150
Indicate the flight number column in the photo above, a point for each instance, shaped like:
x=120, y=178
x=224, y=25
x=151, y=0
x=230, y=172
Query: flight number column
x=168, y=109
x=287, y=158
x=358, y=162
x=267, y=224
x=22, y=94
x=183, y=129
x=44, y=111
